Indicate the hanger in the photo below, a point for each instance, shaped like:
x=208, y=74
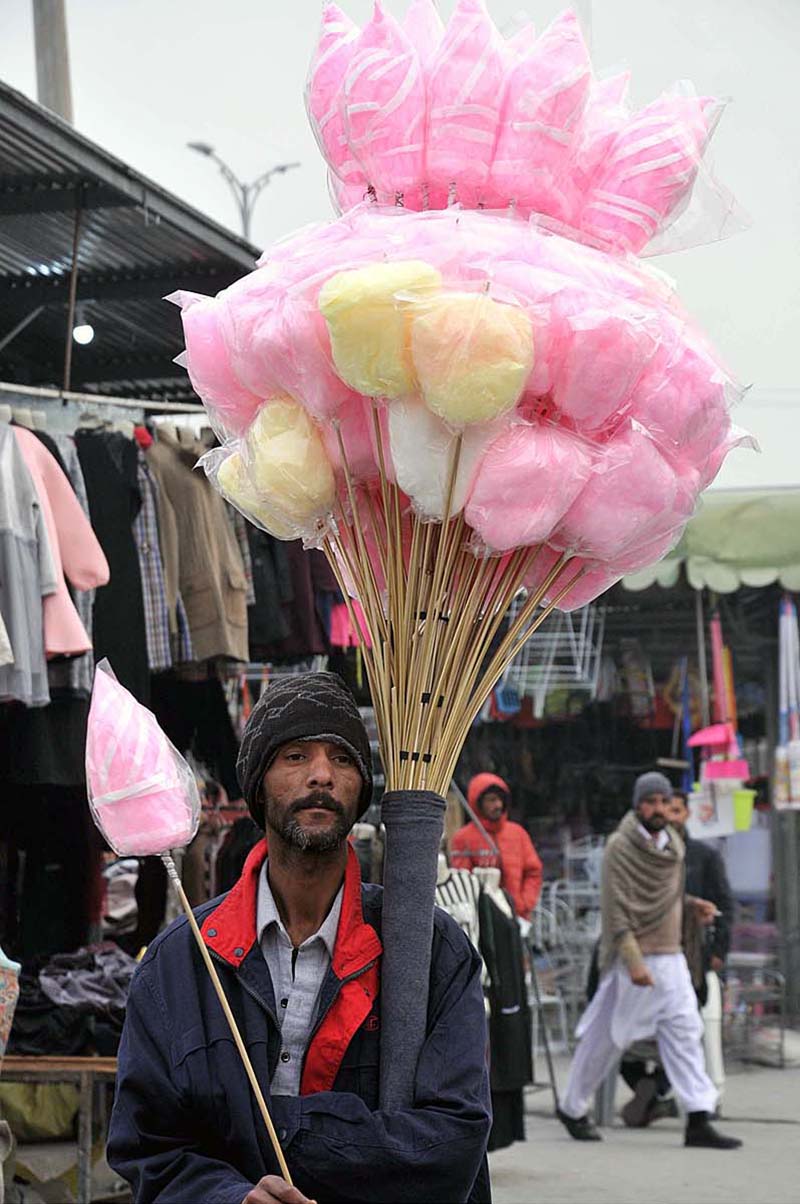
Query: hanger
x=39, y=420
x=124, y=427
x=23, y=417
x=5, y=413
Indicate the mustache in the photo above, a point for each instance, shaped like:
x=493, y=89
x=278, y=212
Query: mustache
x=317, y=799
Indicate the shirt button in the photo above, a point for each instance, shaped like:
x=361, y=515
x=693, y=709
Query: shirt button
x=238, y=952
x=284, y=1003
x=283, y=1134
x=212, y=932
x=285, y=1055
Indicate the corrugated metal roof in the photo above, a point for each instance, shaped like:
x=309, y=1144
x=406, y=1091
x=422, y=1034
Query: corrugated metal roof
x=137, y=241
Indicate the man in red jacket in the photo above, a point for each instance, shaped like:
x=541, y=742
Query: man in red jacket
x=521, y=869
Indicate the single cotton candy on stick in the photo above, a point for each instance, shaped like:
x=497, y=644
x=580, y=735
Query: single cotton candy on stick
x=621, y=502
x=472, y=356
x=209, y=364
x=288, y=466
x=525, y=483
x=366, y=313
x=142, y=793
x=465, y=94
x=337, y=40
x=384, y=109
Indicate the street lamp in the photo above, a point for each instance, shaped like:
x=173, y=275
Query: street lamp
x=246, y=195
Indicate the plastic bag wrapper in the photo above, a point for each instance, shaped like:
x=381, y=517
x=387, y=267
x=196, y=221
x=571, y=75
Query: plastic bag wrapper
x=592, y=579
x=622, y=505
x=648, y=169
x=545, y=96
x=472, y=356
x=384, y=109
x=525, y=484
x=465, y=95
x=368, y=324
x=337, y=39
x=143, y=795
x=422, y=450
x=424, y=29
x=605, y=116
x=227, y=471
x=209, y=365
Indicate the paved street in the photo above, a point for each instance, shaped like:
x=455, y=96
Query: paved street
x=651, y=1166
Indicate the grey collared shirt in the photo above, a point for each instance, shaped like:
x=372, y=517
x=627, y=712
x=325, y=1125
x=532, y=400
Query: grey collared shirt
x=297, y=975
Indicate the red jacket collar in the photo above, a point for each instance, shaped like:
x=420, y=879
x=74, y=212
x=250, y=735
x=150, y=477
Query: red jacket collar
x=230, y=929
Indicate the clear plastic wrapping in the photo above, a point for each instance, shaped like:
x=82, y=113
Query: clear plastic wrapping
x=142, y=793
x=565, y=392
x=426, y=117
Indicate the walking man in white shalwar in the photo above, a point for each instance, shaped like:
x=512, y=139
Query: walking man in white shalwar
x=645, y=986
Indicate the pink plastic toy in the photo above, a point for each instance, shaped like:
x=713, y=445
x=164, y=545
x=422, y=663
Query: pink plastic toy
x=142, y=793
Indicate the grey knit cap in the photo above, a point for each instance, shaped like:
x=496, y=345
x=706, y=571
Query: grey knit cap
x=303, y=706
x=650, y=783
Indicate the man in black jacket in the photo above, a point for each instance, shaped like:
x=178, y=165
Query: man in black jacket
x=297, y=942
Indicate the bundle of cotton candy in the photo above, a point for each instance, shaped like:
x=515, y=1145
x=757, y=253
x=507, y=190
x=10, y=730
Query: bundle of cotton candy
x=142, y=793
x=425, y=116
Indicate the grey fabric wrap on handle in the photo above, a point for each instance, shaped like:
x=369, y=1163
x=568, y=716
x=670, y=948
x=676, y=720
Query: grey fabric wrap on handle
x=414, y=822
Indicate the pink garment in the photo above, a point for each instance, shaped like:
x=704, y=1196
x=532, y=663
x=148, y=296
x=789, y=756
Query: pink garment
x=342, y=633
x=74, y=545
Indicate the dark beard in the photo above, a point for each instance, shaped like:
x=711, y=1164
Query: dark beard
x=286, y=824
x=656, y=823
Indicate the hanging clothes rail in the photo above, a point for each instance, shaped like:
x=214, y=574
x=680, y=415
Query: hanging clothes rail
x=37, y=393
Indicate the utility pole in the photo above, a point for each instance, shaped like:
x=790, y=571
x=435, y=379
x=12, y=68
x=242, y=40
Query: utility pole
x=53, y=87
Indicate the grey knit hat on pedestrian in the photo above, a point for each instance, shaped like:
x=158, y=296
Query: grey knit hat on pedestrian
x=650, y=783
x=303, y=706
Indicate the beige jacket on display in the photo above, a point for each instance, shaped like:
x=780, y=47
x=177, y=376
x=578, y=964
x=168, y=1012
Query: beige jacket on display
x=200, y=551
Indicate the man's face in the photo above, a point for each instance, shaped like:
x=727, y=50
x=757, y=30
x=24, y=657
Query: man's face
x=653, y=812
x=678, y=812
x=312, y=791
x=492, y=804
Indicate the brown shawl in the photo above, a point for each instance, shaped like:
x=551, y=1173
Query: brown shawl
x=641, y=896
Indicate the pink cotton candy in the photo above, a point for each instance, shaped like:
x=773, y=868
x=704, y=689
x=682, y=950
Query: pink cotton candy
x=621, y=502
x=592, y=580
x=209, y=363
x=605, y=116
x=465, y=95
x=424, y=29
x=384, y=108
x=646, y=173
x=601, y=354
x=544, y=101
x=524, y=485
x=355, y=424
x=337, y=40
x=278, y=342
x=142, y=793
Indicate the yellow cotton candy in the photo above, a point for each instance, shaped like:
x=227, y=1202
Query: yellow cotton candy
x=287, y=463
x=472, y=356
x=235, y=484
x=366, y=311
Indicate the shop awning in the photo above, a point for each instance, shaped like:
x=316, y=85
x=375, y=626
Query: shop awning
x=739, y=537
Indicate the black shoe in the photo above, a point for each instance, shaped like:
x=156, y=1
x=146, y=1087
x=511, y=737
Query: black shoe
x=662, y=1109
x=581, y=1129
x=636, y=1112
x=702, y=1135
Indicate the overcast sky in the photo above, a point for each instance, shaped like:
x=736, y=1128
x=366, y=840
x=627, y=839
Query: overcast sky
x=150, y=75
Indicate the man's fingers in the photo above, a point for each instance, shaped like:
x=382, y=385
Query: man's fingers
x=274, y=1190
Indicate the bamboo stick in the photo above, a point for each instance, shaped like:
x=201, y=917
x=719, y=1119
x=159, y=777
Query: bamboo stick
x=229, y=1016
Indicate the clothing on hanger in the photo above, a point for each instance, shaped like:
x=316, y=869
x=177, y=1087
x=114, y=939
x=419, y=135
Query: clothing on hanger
x=27, y=576
x=75, y=547
x=458, y=894
x=75, y=675
x=6, y=655
x=154, y=592
x=240, y=526
x=109, y=465
x=210, y=573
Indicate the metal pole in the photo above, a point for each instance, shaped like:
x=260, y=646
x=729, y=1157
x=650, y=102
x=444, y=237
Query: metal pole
x=53, y=88
x=543, y=1027
x=20, y=326
x=702, y=664
x=73, y=292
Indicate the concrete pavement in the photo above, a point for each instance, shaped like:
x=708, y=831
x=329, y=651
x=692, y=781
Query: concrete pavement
x=651, y=1166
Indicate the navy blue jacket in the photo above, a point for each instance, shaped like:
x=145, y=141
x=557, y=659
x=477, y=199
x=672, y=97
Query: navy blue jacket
x=185, y=1126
